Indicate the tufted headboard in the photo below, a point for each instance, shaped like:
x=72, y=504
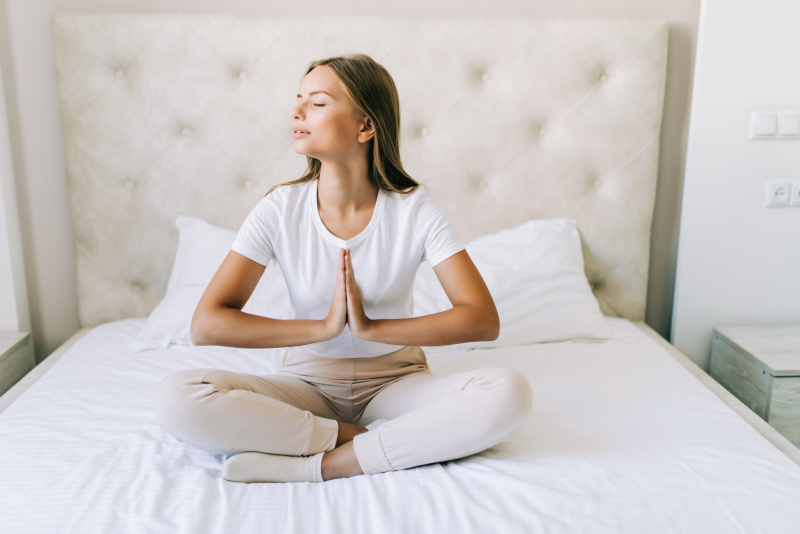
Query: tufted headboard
x=504, y=120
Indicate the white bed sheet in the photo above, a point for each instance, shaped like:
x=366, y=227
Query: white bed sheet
x=622, y=439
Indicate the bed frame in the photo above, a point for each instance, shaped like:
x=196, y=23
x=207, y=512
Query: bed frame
x=504, y=120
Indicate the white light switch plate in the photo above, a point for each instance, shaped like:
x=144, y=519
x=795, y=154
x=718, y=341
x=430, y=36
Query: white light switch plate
x=777, y=193
x=763, y=124
x=795, y=200
x=789, y=124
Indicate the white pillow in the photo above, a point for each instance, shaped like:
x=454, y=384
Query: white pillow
x=201, y=249
x=534, y=272
x=535, y=275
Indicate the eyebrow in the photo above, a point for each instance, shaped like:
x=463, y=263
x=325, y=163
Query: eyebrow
x=312, y=93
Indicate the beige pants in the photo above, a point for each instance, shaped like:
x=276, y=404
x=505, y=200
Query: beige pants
x=430, y=418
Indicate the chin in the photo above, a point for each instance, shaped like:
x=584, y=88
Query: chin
x=302, y=151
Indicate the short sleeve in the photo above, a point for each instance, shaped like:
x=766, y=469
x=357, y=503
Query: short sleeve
x=256, y=237
x=431, y=224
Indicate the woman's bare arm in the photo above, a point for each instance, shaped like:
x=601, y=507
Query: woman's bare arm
x=473, y=316
x=218, y=319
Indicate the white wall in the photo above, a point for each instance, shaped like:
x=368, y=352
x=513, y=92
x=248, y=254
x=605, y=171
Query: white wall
x=738, y=262
x=13, y=293
x=34, y=122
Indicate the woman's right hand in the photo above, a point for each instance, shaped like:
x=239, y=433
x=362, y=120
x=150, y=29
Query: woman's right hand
x=337, y=316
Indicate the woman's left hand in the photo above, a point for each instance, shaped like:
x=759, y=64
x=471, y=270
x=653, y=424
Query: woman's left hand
x=357, y=319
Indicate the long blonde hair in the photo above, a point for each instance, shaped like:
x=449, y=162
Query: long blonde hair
x=374, y=95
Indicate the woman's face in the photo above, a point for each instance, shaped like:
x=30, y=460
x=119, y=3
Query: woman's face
x=325, y=124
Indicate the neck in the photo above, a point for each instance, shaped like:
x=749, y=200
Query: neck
x=345, y=188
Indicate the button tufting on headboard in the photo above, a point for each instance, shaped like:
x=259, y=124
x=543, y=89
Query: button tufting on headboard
x=593, y=182
x=478, y=182
x=504, y=120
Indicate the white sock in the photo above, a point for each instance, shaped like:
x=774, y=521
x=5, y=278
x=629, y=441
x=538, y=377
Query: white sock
x=262, y=467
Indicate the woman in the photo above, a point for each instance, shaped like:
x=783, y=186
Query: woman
x=349, y=237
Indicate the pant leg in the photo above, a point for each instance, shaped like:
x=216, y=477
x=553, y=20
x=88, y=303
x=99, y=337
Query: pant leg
x=434, y=418
x=227, y=412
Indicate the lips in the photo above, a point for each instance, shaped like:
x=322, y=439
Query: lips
x=299, y=132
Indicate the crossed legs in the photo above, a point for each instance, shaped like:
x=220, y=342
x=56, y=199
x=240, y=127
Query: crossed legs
x=227, y=412
x=342, y=462
x=293, y=431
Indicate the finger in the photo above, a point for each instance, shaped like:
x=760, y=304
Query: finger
x=340, y=286
x=351, y=280
x=348, y=283
x=349, y=263
x=352, y=287
x=342, y=264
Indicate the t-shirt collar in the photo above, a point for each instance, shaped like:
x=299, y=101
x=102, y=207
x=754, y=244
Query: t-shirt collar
x=355, y=240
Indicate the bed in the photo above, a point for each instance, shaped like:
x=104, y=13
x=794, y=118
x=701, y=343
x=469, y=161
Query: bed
x=542, y=132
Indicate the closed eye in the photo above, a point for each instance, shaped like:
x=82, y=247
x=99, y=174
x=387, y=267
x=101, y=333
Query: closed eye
x=320, y=105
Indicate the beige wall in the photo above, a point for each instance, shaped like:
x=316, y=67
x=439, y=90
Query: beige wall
x=34, y=125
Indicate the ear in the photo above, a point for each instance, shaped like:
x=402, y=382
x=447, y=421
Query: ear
x=367, y=131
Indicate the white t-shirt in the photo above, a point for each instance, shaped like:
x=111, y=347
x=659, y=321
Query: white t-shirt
x=404, y=231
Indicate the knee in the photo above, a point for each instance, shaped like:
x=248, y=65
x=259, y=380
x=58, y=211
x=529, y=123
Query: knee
x=174, y=400
x=519, y=395
x=512, y=397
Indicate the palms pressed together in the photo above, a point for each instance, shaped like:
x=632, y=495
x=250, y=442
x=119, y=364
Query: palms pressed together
x=346, y=306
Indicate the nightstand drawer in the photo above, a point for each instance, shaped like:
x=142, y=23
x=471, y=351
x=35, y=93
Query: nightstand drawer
x=740, y=373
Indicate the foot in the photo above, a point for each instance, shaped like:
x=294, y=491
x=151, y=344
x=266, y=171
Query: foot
x=261, y=467
x=340, y=463
x=347, y=432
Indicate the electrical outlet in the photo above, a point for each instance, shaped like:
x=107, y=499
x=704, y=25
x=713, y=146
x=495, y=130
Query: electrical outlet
x=795, y=200
x=778, y=193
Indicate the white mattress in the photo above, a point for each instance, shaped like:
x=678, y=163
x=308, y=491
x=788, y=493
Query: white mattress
x=622, y=439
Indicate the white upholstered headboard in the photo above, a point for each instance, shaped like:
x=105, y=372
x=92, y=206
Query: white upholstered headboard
x=503, y=119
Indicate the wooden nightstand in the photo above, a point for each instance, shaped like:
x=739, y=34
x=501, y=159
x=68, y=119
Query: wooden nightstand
x=16, y=358
x=761, y=366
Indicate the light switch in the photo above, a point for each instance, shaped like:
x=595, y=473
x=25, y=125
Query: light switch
x=763, y=124
x=789, y=124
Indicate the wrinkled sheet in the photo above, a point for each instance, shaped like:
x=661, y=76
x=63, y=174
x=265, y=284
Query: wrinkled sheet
x=622, y=439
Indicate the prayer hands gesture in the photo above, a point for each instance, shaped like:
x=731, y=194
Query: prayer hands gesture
x=346, y=306
x=356, y=317
x=337, y=316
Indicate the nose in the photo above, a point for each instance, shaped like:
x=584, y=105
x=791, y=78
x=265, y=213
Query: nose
x=295, y=112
